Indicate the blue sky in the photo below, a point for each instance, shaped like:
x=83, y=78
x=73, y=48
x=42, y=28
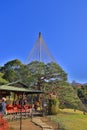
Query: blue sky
x=63, y=24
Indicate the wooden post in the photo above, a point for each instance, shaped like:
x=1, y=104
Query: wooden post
x=21, y=112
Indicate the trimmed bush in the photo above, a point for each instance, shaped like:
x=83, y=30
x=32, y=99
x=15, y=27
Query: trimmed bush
x=53, y=106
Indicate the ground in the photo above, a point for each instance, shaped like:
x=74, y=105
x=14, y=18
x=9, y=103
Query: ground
x=27, y=124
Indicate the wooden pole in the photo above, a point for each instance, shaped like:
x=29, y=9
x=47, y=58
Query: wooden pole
x=21, y=112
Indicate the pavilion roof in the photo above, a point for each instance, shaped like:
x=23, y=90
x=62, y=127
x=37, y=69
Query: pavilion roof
x=16, y=89
x=18, y=83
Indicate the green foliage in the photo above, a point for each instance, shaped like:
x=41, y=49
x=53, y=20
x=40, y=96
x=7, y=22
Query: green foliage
x=12, y=65
x=10, y=70
x=81, y=91
x=49, y=77
x=10, y=75
x=2, y=80
x=34, y=74
x=53, y=106
x=82, y=94
x=67, y=96
x=45, y=73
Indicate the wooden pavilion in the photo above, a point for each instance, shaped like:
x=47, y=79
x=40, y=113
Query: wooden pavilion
x=18, y=88
x=18, y=111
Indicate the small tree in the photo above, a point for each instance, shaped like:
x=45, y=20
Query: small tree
x=53, y=105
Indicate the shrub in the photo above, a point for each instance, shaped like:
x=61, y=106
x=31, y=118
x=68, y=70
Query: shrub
x=53, y=106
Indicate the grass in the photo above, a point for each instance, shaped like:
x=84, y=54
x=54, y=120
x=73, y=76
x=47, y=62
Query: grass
x=71, y=120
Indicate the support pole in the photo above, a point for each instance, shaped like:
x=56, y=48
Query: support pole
x=21, y=100
x=32, y=107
